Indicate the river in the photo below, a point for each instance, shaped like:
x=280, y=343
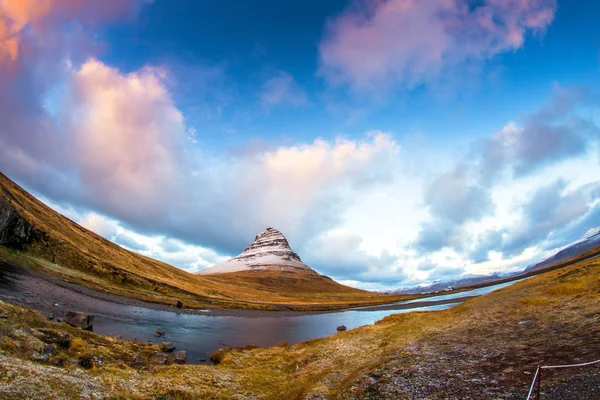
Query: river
x=200, y=335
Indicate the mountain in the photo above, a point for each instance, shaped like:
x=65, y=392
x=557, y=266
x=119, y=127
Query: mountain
x=269, y=261
x=34, y=235
x=462, y=282
x=589, y=242
x=269, y=251
x=586, y=248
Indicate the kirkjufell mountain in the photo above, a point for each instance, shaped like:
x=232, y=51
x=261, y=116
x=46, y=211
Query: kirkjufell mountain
x=269, y=251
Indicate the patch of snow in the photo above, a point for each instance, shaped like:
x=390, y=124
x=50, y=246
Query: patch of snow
x=269, y=251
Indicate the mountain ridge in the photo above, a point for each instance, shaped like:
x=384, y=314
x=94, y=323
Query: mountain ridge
x=270, y=250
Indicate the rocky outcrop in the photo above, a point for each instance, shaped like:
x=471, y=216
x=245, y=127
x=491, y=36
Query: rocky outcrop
x=80, y=320
x=178, y=357
x=15, y=231
x=270, y=250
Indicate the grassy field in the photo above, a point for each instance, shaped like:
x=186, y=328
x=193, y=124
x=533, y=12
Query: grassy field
x=74, y=254
x=485, y=348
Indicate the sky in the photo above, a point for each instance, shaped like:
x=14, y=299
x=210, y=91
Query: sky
x=393, y=142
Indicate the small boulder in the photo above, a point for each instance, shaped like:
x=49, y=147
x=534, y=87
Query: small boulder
x=159, y=333
x=341, y=328
x=51, y=316
x=160, y=359
x=178, y=357
x=80, y=320
x=167, y=346
x=179, y=304
x=49, y=350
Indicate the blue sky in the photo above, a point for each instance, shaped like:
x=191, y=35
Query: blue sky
x=393, y=142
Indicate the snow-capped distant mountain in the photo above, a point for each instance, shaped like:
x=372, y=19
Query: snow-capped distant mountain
x=590, y=240
x=269, y=251
x=465, y=281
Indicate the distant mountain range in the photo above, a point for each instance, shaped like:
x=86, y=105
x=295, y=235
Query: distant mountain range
x=589, y=244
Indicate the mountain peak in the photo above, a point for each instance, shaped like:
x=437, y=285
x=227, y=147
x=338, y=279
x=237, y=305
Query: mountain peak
x=269, y=250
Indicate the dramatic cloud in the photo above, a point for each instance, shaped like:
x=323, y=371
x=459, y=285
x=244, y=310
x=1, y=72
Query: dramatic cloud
x=378, y=45
x=125, y=135
x=551, y=207
x=497, y=198
x=280, y=90
x=453, y=198
x=554, y=133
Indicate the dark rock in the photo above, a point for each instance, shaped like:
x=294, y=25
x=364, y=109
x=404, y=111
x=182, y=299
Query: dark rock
x=51, y=316
x=49, y=350
x=80, y=320
x=87, y=361
x=179, y=304
x=167, y=346
x=203, y=360
x=159, y=333
x=15, y=231
x=341, y=328
x=178, y=357
x=4, y=315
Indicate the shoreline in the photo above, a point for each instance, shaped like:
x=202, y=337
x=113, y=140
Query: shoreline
x=45, y=291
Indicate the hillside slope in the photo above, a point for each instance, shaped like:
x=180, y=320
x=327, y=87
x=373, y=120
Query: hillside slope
x=34, y=235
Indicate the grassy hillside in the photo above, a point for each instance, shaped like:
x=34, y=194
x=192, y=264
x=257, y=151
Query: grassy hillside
x=485, y=348
x=57, y=246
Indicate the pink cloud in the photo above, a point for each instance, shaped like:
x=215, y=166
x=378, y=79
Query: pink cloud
x=43, y=17
x=125, y=134
x=410, y=42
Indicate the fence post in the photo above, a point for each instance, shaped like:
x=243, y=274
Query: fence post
x=539, y=382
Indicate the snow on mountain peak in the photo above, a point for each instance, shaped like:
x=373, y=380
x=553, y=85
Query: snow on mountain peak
x=269, y=251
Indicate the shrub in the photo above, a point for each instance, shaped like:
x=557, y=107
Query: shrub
x=77, y=345
x=221, y=356
x=533, y=301
x=565, y=289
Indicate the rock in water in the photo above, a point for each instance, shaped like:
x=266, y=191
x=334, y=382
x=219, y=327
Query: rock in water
x=80, y=320
x=270, y=250
x=341, y=328
x=167, y=346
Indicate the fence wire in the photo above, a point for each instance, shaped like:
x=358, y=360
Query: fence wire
x=537, y=377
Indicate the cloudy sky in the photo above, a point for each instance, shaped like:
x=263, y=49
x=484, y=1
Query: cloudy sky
x=393, y=142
